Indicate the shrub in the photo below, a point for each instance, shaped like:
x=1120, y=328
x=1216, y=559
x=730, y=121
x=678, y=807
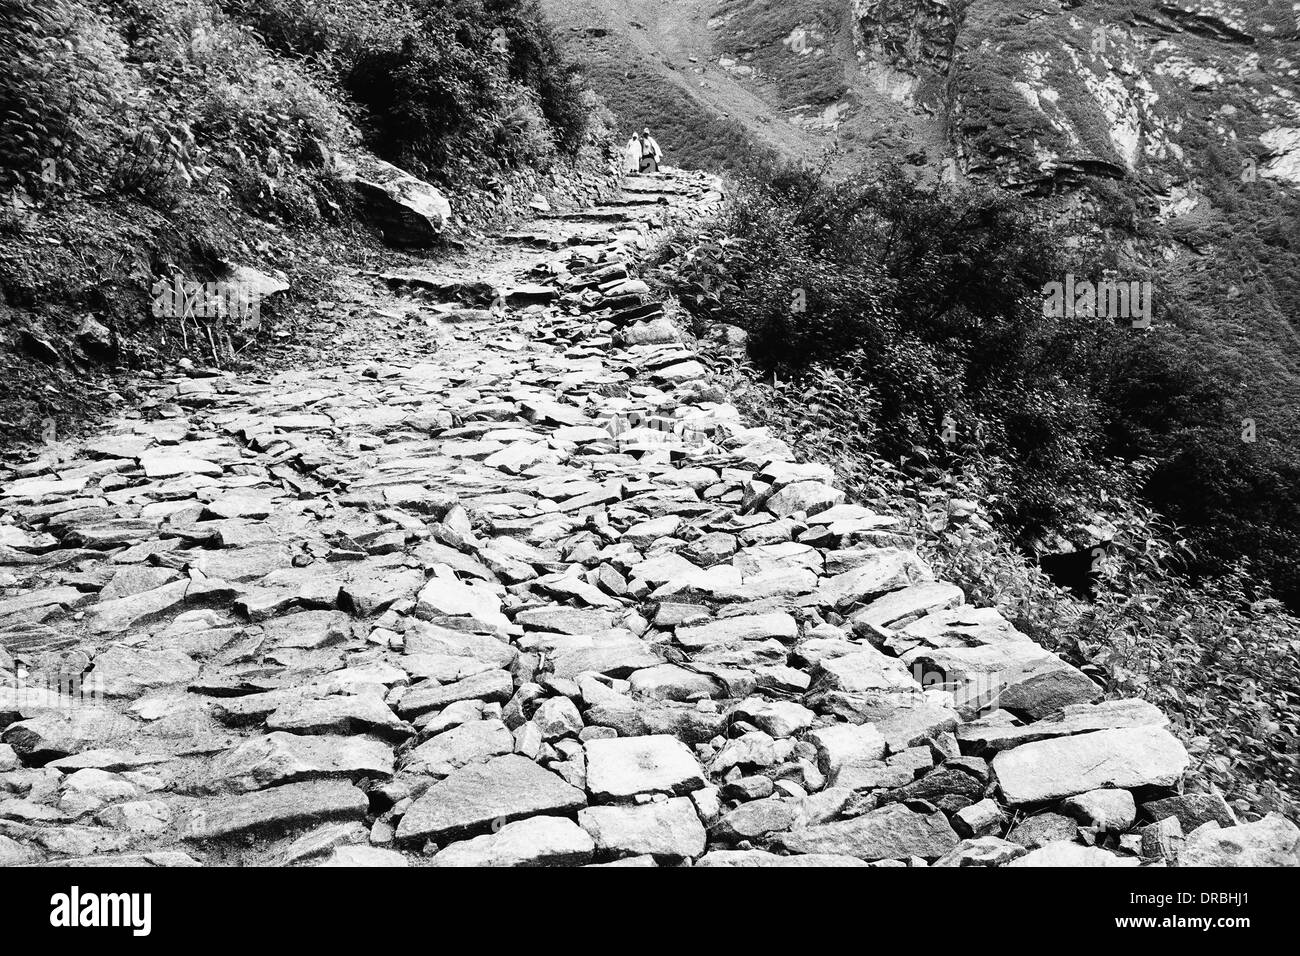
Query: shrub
x=272, y=112
x=446, y=88
x=62, y=92
x=930, y=300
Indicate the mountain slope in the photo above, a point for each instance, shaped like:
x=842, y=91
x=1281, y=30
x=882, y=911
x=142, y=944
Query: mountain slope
x=1168, y=128
x=782, y=76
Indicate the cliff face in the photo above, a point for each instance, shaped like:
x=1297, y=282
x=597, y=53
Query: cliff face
x=908, y=47
x=1158, y=92
x=1174, y=127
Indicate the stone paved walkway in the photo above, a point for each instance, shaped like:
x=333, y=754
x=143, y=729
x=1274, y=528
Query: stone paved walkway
x=517, y=586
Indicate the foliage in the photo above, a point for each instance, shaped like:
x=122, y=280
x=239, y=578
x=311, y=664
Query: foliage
x=61, y=92
x=142, y=139
x=445, y=88
x=931, y=300
x=928, y=292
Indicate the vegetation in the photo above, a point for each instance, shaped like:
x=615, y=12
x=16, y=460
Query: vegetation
x=144, y=138
x=445, y=87
x=790, y=45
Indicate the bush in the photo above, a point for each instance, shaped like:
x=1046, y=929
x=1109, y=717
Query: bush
x=271, y=112
x=929, y=291
x=62, y=92
x=447, y=88
x=930, y=301
x=479, y=85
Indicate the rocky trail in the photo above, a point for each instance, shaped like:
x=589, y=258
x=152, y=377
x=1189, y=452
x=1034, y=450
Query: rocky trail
x=516, y=585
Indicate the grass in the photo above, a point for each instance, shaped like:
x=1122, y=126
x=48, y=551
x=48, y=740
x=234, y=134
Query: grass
x=638, y=96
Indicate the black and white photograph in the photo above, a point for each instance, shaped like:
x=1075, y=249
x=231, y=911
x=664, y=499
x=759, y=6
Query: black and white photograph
x=727, y=434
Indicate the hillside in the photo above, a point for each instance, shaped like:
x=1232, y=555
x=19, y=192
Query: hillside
x=256, y=145
x=1169, y=131
x=717, y=80
x=1174, y=124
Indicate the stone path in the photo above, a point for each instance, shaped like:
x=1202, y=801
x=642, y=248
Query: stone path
x=516, y=586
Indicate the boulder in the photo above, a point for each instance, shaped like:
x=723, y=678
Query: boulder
x=276, y=809
x=1192, y=810
x=993, y=733
x=1060, y=853
x=619, y=768
x=1065, y=766
x=754, y=858
x=408, y=211
x=893, y=832
x=1272, y=841
x=982, y=851
x=505, y=788
x=670, y=828
x=1111, y=811
x=536, y=841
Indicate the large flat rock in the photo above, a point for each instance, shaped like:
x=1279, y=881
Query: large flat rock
x=619, y=768
x=980, y=736
x=537, y=841
x=505, y=788
x=670, y=828
x=1015, y=675
x=1065, y=766
x=279, y=758
x=756, y=858
x=891, y=833
x=277, y=809
x=1063, y=853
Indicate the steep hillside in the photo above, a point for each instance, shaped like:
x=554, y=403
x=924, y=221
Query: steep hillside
x=1176, y=125
x=1173, y=123
x=190, y=144
x=716, y=80
x=1169, y=129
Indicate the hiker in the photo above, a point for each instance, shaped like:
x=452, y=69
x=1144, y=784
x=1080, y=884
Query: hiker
x=632, y=155
x=651, y=154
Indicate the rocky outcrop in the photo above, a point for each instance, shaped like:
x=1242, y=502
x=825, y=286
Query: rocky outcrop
x=911, y=35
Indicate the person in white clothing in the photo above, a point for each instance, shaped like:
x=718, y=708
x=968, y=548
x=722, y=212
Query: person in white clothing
x=651, y=154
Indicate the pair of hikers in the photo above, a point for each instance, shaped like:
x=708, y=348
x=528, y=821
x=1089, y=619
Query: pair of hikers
x=642, y=154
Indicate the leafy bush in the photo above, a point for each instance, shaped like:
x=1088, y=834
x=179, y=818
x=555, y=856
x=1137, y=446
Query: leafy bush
x=930, y=301
x=929, y=292
x=62, y=92
x=447, y=88
x=273, y=113
x=479, y=84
